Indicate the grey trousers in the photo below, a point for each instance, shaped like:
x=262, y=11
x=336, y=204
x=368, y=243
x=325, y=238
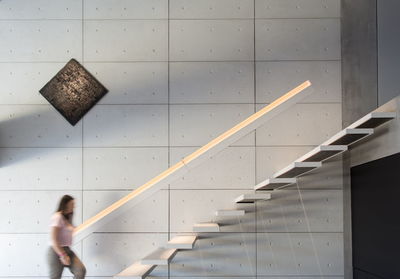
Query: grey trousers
x=56, y=266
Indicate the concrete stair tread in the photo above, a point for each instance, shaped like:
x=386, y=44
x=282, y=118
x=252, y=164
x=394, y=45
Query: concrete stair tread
x=296, y=169
x=230, y=212
x=160, y=256
x=206, y=227
x=182, y=242
x=373, y=119
x=135, y=271
x=274, y=183
x=348, y=136
x=322, y=152
x=251, y=198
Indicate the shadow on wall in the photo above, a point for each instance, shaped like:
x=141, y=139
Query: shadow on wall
x=10, y=128
x=41, y=129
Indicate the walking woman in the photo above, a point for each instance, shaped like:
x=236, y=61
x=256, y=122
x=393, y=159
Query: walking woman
x=59, y=253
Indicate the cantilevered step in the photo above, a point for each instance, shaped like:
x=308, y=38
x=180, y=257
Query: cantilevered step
x=322, y=152
x=135, y=271
x=230, y=213
x=296, y=169
x=251, y=198
x=182, y=242
x=160, y=256
x=274, y=183
x=348, y=136
x=373, y=120
x=206, y=227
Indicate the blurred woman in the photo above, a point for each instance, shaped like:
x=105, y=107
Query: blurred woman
x=59, y=253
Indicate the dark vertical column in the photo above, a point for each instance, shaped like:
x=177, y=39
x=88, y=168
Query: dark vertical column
x=359, y=59
x=359, y=88
x=388, y=50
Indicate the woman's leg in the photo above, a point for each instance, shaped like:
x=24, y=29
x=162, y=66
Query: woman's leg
x=55, y=265
x=77, y=268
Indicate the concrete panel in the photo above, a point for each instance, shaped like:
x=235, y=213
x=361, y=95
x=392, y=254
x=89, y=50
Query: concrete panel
x=212, y=82
x=273, y=159
x=109, y=254
x=297, y=9
x=218, y=254
x=124, y=125
x=40, y=168
x=22, y=81
x=232, y=168
x=41, y=9
x=31, y=262
x=303, y=124
x=150, y=215
x=298, y=39
x=37, y=126
x=126, y=9
x=122, y=168
x=316, y=254
x=195, y=125
x=132, y=83
x=199, y=206
x=276, y=78
x=30, y=211
x=301, y=211
x=40, y=41
x=138, y=40
x=211, y=40
x=212, y=9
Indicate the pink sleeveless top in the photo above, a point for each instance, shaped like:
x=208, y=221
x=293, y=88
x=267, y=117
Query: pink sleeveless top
x=64, y=236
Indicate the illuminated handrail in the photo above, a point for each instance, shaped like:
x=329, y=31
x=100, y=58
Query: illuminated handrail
x=177, y=170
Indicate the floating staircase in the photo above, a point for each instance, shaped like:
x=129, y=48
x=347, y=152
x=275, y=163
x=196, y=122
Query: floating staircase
x=334, y=146
x=287, y=176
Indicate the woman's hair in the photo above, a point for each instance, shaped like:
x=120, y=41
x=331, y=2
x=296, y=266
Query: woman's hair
x=63, y=206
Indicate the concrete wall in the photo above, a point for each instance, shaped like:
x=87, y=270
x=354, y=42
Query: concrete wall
x=179, y=72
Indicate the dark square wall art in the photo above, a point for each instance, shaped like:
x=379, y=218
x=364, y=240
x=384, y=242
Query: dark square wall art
x=73, y=91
